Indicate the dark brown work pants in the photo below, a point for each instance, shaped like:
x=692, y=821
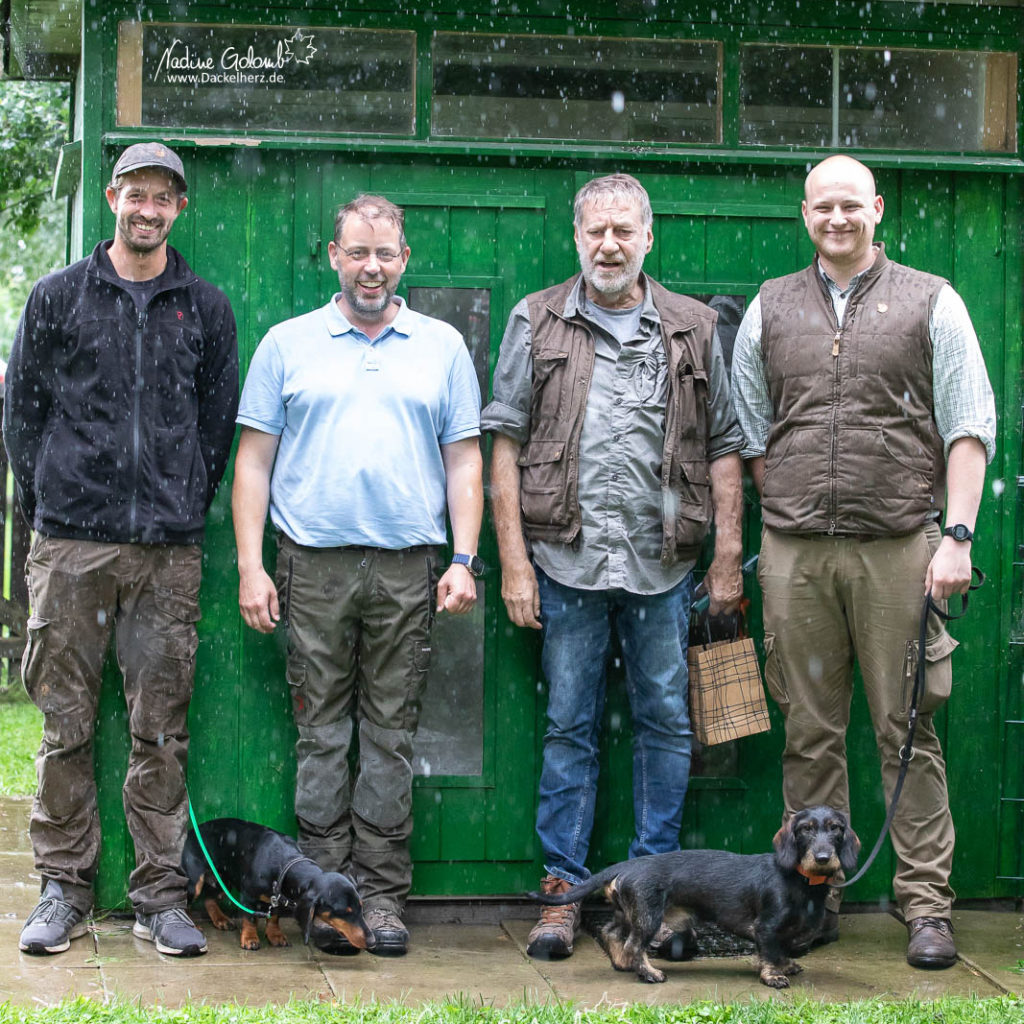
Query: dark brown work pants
x=147, y=595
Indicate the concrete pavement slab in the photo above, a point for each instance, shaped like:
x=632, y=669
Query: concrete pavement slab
x=478, y=964
x=869, y=962
x=993, y=942
x=46, y=980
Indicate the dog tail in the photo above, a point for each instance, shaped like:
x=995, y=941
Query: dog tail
x=577, y=892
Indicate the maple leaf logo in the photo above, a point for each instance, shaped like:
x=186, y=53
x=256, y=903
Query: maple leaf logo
x=293, y=48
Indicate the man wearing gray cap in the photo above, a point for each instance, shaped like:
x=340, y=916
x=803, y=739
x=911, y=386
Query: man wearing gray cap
x=119, y=413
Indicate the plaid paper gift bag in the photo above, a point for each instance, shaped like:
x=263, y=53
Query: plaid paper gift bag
x=726, y=695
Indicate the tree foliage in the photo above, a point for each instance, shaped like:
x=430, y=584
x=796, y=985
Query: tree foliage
x=33, y=125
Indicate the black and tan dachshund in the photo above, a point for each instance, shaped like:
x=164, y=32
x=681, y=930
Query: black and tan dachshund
x=267, y=872
x=776, y=899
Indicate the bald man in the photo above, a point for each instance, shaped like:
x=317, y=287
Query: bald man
x=869, y=420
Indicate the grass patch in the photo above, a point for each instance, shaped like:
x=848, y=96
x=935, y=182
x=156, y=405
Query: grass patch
x=1006, y=1010
x=21, y=726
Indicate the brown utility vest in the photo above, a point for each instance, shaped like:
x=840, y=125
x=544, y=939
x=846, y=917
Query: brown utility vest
x=563, y=362
x=853, y=446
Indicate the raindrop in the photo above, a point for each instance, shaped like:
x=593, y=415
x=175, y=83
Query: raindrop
x=998, y=486
x=618, y=102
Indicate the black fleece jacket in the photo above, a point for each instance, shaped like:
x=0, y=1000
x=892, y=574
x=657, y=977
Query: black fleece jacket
x=118, y=421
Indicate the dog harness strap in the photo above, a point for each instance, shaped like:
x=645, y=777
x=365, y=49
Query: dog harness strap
x=277, y=899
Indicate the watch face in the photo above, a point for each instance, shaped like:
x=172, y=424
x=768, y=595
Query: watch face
x=959, y=532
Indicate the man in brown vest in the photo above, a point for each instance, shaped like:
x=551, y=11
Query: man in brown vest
x=869, y=417
x=613, y=438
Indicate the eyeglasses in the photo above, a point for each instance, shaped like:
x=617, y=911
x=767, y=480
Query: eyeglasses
x=362, y=255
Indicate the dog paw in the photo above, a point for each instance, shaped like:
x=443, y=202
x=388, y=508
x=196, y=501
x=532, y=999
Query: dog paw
x=773, y=978
x=651, y=975
x=276, y=937
x=791, y=968
x=251, y=944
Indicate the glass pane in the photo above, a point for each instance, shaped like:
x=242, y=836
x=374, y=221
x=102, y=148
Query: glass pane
x=450, y=738
x=927, y=99
x=786, y=95
x=576, y=87
x=237, y=77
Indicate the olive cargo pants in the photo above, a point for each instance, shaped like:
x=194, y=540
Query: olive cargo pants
x=828, y=600
x=148, y=596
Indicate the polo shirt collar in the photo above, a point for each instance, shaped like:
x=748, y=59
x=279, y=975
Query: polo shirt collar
x=338, y=323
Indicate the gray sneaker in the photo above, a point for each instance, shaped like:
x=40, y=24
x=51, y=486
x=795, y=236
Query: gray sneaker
x=172, y=931
x=52, y=924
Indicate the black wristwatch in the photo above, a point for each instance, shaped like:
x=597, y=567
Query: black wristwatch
x=958, y=532
x=474, y=564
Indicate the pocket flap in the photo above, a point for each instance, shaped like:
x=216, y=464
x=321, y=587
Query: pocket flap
x=537, y=453
x=939, y=646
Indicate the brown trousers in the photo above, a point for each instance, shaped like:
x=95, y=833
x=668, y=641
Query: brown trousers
x=828, y=600
x=147, y=595
x=357, y=622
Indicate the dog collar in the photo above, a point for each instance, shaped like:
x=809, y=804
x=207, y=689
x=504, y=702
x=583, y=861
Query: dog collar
x=812, y=879
x=277, y=897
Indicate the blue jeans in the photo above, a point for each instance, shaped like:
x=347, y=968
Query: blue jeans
x=653, y=631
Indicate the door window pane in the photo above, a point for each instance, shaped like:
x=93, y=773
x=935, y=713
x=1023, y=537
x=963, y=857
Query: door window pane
x=450, y=737
x=576, y=87
x=241, y=77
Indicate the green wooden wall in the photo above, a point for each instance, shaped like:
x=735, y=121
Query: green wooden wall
x=499, y=217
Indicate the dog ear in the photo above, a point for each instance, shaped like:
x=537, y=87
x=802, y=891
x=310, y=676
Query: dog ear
x=850, y=850
x=309, y=922
x=785, y=847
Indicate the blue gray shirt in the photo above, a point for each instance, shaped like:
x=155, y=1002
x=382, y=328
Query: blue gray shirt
x=620, y=446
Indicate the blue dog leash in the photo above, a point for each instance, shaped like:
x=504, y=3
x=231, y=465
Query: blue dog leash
x=907, y=750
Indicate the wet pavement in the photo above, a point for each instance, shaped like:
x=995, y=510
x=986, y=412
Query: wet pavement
x=476, y=951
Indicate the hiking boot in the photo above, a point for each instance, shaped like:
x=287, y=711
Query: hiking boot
x=52, y=924
x=172, y=931
x=391, y=935
x=551, y=937
x=670, y=945
x=931, y=946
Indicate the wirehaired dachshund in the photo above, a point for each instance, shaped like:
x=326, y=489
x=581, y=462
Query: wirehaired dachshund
x=267, y=872
x=776, y=899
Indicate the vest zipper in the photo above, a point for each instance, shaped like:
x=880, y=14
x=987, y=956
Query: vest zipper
x=833, y=431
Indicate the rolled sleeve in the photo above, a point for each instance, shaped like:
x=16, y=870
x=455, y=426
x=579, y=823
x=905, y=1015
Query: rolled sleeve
x=750, y=397
x=724, y=434
x=509, y=410
x=963, y=398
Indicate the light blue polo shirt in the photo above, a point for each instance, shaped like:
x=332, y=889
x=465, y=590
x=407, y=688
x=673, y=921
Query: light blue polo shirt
x=361, y=424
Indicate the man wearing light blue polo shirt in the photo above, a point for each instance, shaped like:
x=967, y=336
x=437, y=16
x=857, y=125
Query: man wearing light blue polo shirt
x=360, y=425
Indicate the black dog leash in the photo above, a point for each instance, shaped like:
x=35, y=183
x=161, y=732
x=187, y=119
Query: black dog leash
x=907, y=750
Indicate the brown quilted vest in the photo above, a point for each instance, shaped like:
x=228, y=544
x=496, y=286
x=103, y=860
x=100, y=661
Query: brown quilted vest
x=563, y=361
x=853, y=446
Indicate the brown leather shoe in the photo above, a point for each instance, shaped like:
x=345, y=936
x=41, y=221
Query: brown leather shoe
x=551, y=937
x=931, y=946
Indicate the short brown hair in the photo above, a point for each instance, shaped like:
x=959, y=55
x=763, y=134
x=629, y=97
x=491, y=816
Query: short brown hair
x=370, y=207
